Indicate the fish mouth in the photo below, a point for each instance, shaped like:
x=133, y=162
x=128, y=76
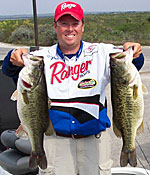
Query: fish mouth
x=118, y=55
x=27, y=85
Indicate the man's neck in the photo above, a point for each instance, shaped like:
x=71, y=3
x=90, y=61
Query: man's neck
x=76, y=52
x=69, y=50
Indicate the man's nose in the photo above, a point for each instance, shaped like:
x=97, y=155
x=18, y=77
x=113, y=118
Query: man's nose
x=70, y=27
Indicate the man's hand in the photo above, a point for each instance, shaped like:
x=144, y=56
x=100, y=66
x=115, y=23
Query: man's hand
x=137, y=49
x=16, y=57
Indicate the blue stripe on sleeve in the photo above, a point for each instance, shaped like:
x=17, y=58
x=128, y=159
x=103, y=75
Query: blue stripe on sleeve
x=138, y=62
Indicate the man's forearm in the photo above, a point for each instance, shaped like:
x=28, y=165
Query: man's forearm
x=9, y=69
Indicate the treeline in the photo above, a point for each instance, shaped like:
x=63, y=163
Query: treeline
x=113, y=28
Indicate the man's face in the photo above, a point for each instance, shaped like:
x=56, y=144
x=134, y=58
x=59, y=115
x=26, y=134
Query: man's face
x=69, y=33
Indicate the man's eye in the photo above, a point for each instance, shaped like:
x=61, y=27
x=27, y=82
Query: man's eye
x=75, y=24
x=64, y=23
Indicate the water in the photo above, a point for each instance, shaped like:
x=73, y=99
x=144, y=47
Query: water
x=30, y=16
x=27, y=16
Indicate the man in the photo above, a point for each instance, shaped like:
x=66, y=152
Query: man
x=76, y=73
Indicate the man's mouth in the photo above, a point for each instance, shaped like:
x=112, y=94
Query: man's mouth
x=70, y=36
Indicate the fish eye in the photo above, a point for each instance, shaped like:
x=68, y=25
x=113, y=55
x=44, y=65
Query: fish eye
x=40, y=66
x=113, y=65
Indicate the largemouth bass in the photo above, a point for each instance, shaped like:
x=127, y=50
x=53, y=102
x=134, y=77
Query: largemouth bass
x=127, y=103
x=32, y=107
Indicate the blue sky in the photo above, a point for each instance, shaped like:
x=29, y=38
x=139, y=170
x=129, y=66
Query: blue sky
x=21, y=7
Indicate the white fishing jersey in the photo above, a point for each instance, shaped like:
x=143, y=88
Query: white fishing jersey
x=76, y=87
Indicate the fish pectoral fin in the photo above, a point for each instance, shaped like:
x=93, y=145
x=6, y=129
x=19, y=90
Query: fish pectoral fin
x=135, y=91
x=144, y=89
x=50, y=129
x=25, y=97
x=116, y=130
x=14, y=96
x=140, y=128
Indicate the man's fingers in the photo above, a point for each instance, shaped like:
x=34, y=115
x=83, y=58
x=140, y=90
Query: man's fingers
x=137, y=54
x=16, y=60
x=16, y=57
x=137, y=49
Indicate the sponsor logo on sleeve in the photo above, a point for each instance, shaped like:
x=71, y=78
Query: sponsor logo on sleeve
x=90, y=50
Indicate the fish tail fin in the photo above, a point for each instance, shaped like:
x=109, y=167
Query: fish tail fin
x=123, y=159
x=43, y=162
x=128, y=157
x=37, y=160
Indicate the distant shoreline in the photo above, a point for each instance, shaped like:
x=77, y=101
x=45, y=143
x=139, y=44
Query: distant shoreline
x=30, y=16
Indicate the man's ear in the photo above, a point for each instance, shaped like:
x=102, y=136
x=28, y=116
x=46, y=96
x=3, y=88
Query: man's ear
x=83, y=27
x=55, y=25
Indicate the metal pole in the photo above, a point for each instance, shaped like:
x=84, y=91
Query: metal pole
x=35, y=25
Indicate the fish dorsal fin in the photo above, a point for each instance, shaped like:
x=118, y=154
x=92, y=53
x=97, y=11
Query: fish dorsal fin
x=14, y=96
x=140, y=128
x=135, y=92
